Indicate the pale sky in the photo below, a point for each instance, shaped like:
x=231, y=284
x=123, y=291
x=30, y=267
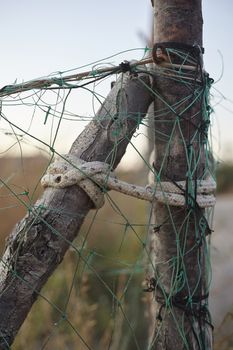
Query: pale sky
x=46, y=36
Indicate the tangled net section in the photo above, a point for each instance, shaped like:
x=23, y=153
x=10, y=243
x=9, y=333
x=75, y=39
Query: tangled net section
x=132, y=260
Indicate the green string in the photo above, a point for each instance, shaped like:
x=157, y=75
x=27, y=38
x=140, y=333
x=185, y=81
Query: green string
x=96, y=263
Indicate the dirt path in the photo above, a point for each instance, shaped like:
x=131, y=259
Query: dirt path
x=221, y=294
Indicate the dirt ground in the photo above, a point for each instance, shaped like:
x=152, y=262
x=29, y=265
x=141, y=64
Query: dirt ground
x=221, y=293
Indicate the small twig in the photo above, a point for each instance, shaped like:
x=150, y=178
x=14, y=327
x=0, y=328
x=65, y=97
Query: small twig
x=60, y=81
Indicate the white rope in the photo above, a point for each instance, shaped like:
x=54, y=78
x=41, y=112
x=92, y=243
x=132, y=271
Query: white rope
x=92, y=176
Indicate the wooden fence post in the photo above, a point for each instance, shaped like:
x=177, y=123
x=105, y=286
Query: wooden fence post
x=180, y=255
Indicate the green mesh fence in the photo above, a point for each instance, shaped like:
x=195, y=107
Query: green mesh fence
x=98, y=297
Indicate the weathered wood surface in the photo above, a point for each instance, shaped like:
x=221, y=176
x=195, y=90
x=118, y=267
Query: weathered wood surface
x=175, y=248
x=38, y=243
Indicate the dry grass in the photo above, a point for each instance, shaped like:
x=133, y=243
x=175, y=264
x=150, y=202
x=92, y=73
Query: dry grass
x=110, y=246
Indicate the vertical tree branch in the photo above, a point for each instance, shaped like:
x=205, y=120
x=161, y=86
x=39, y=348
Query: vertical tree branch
x=181, y=278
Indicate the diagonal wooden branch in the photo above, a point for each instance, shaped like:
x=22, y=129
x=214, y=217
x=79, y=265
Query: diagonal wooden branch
x=38, y=243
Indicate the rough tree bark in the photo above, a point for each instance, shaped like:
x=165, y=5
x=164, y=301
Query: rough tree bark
x=38, y=243
x=180, y=320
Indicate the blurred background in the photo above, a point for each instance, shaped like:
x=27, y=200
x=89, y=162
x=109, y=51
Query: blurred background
x=48, y=38
x=110, y=242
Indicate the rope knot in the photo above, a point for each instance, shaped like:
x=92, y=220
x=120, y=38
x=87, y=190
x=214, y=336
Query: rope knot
x=125, y=66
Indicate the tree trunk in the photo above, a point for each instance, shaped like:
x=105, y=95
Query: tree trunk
x=180, y=255
x=38, y=243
